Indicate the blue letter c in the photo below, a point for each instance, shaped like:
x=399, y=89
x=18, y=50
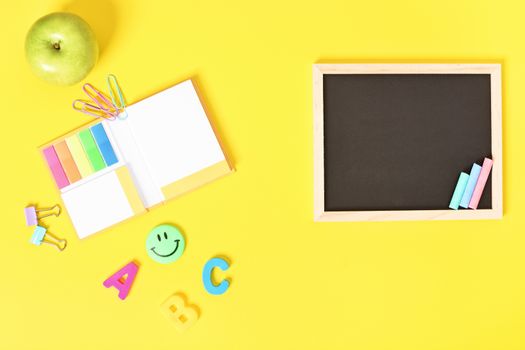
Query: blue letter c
x=206, y=276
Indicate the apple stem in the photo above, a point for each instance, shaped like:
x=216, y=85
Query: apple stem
x=56, y=46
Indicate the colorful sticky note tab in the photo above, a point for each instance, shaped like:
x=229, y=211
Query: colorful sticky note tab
x=56, y=168
x=66, y=159
x=104, y=145
x=480, y=185
x=91, y=149
x=79, y=156
x=458, y=191
x=471, y=184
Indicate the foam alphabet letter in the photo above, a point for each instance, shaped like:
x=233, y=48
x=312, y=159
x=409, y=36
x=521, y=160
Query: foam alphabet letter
x=206, y=276
x=179, y=312
x=123, y=279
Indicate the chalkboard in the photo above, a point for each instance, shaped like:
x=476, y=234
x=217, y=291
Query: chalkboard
x=391, y=140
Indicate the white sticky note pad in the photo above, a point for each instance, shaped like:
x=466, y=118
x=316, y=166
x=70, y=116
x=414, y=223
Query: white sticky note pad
x=174, y=134
x=97, y=204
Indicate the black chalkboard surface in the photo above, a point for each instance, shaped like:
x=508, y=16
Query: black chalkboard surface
x=397, y=142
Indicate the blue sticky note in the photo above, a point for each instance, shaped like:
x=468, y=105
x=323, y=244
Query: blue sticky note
x=458, y=191
x=471, y=184
x=102, y=141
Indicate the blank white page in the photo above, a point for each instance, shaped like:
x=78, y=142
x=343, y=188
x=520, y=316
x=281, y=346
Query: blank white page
x=97, y=204
x=174, y=134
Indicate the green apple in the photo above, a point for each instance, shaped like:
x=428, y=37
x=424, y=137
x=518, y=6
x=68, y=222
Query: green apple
x=61, y=48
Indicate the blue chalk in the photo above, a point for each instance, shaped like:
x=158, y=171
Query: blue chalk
x=458, y=191
x=471, y=184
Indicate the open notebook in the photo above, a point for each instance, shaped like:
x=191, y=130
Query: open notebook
x=110, y=171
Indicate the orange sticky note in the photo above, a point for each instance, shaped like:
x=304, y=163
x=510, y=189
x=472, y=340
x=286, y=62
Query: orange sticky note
x=66, y=159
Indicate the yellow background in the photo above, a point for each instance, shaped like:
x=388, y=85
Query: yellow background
x=296, y=284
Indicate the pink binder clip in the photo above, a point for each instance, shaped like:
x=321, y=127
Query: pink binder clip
x=32, y=217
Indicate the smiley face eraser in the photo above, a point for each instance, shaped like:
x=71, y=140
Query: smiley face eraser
x=165, y=244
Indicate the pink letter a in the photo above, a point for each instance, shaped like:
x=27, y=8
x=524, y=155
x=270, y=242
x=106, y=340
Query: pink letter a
x=118, y=281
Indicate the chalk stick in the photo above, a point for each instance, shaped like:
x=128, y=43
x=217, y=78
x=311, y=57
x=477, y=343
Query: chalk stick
x=471, y=184
x=480, y=185
x=56, y=168
x=458, y=191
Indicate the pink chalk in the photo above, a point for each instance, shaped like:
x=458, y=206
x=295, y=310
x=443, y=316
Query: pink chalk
x=480, y=185
x=117, y=280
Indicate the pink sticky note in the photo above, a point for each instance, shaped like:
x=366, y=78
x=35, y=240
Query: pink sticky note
x=55, y=167
x=480, y=185
x=123, y=279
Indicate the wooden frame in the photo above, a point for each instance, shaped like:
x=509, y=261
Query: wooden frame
x=494, y=70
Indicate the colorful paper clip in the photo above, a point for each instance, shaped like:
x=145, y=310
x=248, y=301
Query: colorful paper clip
x=32, y=217
x=99, y=105
x=114, y=87
x=100, y=99
x=40, y=235
x=91, y=110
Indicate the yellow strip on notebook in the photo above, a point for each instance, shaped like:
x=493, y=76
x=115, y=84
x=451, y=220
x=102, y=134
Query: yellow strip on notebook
x=130, y=190
x=198, y=179
x=77, y=151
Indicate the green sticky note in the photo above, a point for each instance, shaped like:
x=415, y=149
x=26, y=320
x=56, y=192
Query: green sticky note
x=91, y=149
